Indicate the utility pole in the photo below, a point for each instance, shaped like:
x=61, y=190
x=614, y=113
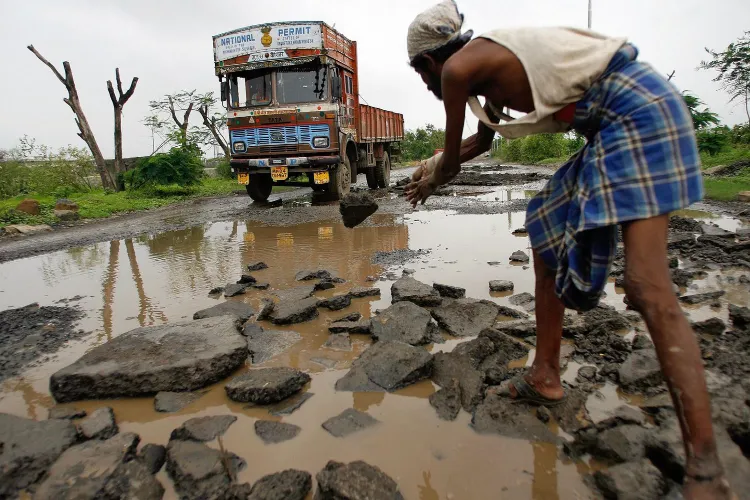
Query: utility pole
x=590, y=14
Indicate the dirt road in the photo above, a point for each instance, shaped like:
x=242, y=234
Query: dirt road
x=144, y=270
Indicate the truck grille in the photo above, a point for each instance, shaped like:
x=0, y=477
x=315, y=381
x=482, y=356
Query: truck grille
x=270, y=138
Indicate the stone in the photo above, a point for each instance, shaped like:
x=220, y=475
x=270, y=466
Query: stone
x=351, y=317
x=503, y=416
x=266, y=308
x=407, y=289
x=624, y=414
x=66, y=204
x=336, y=303
x=290, y=405
x=270, y=343
x=100, y=424
x=509, y=312
x=386, y=366
x=296, y=293
x=699, y=298
x=198, y=471
x=241, y=311
x=325, y=362
x=711, y=326
x=632, y=481
x=360, y=327
x=66, y=413
x=182, y=356
x=29, y=206
x=501, y=286
x=525, y=300
x=521, y=329
x=203, y=428
x=266, y=385
x=743, y=196
x=324, y=285
x=289, y=484
x=476, y=350
x=356, y=207
x=234, y=289
x=26, y=229
x=66, y=215
x=625, y=443
x=153, y=457
x=217, y=290
x=257, y=266
x=100, y=469
x=298, y=311
x=543, y=414
x=447, y=401
x=169, y=402
x=307, y=275
x=640, y=371
x=586, y=373
x=260, y=286
x=348, y=422
x=642, y=342
x=466, y=317
x=28, y=449
x=712, y=230
x=452, y=292
x=359, y=292
x=275, y=432
x=246, y=279
x=355, y=481
x=404, y=322
x=338, y=342
x=251, y=329
x=448, y=367
x=739, y=316
x=519, y=256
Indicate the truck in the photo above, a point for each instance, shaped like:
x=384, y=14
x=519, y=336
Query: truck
x=291, y=91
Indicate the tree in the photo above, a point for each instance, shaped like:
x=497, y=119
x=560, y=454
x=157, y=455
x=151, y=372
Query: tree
x=182, y=102
x=118, y=103
x=701, y=118
x=85, y=131
x=733, y=67
x=214, y=123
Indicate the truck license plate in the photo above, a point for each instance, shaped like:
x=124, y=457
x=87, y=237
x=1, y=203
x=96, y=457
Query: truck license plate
x=243, y=178
x=321, y=178
x=279, y=173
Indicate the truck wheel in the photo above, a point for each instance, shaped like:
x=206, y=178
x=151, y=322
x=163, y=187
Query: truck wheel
x=372, y=181
x=260, y=187
x=383, y=171
x=341, y=180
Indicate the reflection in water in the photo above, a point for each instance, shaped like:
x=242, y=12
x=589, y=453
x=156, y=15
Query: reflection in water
x=108, y=288
x=145, y=309
x=426, y=491
x=364, y=400
x=544, y=486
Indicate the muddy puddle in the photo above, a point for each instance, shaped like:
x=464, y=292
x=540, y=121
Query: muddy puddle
x=160, y=278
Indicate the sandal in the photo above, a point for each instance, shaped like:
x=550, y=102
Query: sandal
x=525, y=393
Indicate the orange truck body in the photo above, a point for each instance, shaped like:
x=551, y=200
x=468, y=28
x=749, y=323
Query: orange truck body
x=304, y=115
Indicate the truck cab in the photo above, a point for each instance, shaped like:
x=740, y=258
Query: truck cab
x=293, y=111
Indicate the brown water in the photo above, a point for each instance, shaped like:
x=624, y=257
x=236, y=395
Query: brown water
x=162, y=278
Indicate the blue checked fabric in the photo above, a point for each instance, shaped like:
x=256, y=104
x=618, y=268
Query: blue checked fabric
x=640, y=161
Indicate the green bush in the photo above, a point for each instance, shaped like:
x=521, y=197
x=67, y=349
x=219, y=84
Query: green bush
x=541, y=146
x=713, y=140
x=181, y=166
x=223, y=170
x=61, y=173
x=14, y=179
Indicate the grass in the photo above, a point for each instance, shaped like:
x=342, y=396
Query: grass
x=554, y=161
x=725, y=157
x=98, y=204
x=725, y=189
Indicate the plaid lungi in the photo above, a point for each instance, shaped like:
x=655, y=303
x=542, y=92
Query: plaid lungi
x=641, y=160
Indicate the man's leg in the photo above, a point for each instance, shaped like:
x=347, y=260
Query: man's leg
x=649, y=288
x=544, y=375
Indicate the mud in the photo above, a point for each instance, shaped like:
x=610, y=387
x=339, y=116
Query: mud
x=163, y=277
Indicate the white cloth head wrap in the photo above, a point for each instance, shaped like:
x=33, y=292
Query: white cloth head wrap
x=434, y=28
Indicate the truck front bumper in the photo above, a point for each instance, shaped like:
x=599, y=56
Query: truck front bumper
x=294, y=164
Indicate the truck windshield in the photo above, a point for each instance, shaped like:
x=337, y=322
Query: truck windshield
x=302, y=86
x=250, y=90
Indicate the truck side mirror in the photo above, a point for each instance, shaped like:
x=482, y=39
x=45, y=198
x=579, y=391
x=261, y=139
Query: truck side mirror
x=224, y=90
x=336, y=88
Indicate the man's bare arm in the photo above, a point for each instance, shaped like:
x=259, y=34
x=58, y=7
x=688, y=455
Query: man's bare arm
x=455, y=95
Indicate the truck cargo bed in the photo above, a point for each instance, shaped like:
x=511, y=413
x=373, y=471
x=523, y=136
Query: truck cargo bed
x=379, y=125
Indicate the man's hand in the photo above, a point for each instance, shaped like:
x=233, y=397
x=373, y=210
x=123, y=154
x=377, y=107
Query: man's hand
x=418, y=191
x=420, y=171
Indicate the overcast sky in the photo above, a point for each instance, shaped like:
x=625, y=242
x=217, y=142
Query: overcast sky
x=167, y=44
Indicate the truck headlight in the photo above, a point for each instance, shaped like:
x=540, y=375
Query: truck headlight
x=239, y=147
x=320, y=142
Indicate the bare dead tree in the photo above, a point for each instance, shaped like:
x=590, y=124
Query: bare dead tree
x=84, y=129
x=670, y=76
x=214, y=123
x=118, y=103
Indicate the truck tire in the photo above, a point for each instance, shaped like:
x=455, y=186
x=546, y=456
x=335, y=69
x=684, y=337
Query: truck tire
x=372, y=181
x=383, y=171
x=260, y=187
x=340, y=180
